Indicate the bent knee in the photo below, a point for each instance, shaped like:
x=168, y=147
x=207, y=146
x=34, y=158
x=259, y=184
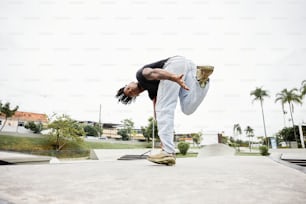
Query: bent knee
x=188, y=111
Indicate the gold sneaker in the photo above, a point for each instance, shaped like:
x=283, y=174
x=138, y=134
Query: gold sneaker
x=162, y=158
x=203, y=72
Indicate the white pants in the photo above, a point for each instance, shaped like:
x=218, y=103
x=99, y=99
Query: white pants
x=168, y=93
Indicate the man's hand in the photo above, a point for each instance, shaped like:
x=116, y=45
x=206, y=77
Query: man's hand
x=181, y=82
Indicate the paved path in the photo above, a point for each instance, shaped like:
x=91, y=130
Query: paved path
x=222, y=179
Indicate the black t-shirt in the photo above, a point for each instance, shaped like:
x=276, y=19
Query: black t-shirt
x=150, y=85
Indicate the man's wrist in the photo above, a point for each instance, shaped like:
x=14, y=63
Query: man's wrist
x=172, y=77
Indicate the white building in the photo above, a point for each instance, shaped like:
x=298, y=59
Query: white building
x=16, y=123
x=211, y=138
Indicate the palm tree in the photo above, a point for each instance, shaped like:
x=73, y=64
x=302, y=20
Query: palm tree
x=7, y=112
x=250, y=133
x=237, y=131
x=289, y=97
x=303, y=89
x=259, y=95
x=284, y=114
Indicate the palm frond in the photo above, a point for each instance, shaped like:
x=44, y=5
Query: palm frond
x=259, y=94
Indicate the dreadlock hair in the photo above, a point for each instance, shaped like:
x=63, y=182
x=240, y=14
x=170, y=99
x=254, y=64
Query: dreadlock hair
x=124, y=99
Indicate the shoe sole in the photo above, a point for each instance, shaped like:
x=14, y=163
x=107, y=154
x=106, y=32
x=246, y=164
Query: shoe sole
x=169, y=161
x=206, y=68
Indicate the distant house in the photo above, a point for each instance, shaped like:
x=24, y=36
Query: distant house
x=183, y=137
x=207, y=138
x=211, y=138
x=137, y=135
x=17, y=122
x=110, y=131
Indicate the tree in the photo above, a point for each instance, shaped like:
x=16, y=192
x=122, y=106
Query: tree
x=90, y=130
x=249, y=133
x=126, y=131
x=196, y=138
x=303, y=89
x=286, y=134
x=35, y=128
x=284, y=113
x=237, y=131
x=289, y=97
x=64, y=129
x=259, y=95
x=7, y=112
x=147, y=131
x=99, y=128
x=93, y=130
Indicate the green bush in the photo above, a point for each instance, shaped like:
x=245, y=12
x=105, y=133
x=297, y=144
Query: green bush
x=183, y=147
x=264, y=151
x=149, y=145
x=35, y=128
x=90, y=131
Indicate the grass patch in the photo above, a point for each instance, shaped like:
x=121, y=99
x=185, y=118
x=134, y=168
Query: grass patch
x=247, y=154
x=179, y=155
x=16, y=143
x=42, y=146
x=107, y=145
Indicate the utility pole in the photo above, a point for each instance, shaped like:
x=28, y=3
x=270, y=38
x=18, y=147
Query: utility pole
x=99, y=133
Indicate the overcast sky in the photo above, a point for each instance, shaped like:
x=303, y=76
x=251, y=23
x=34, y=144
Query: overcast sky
x=70, y=56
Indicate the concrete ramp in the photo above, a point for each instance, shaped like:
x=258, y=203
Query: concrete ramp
x=7, y=158
x=216, y=150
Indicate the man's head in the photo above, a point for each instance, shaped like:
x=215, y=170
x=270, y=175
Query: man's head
x=128, y=93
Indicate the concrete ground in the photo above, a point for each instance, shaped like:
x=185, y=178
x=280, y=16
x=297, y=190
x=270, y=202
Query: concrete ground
x=214, y=179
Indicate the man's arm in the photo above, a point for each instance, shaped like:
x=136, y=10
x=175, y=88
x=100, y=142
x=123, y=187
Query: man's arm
x=162, y=74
